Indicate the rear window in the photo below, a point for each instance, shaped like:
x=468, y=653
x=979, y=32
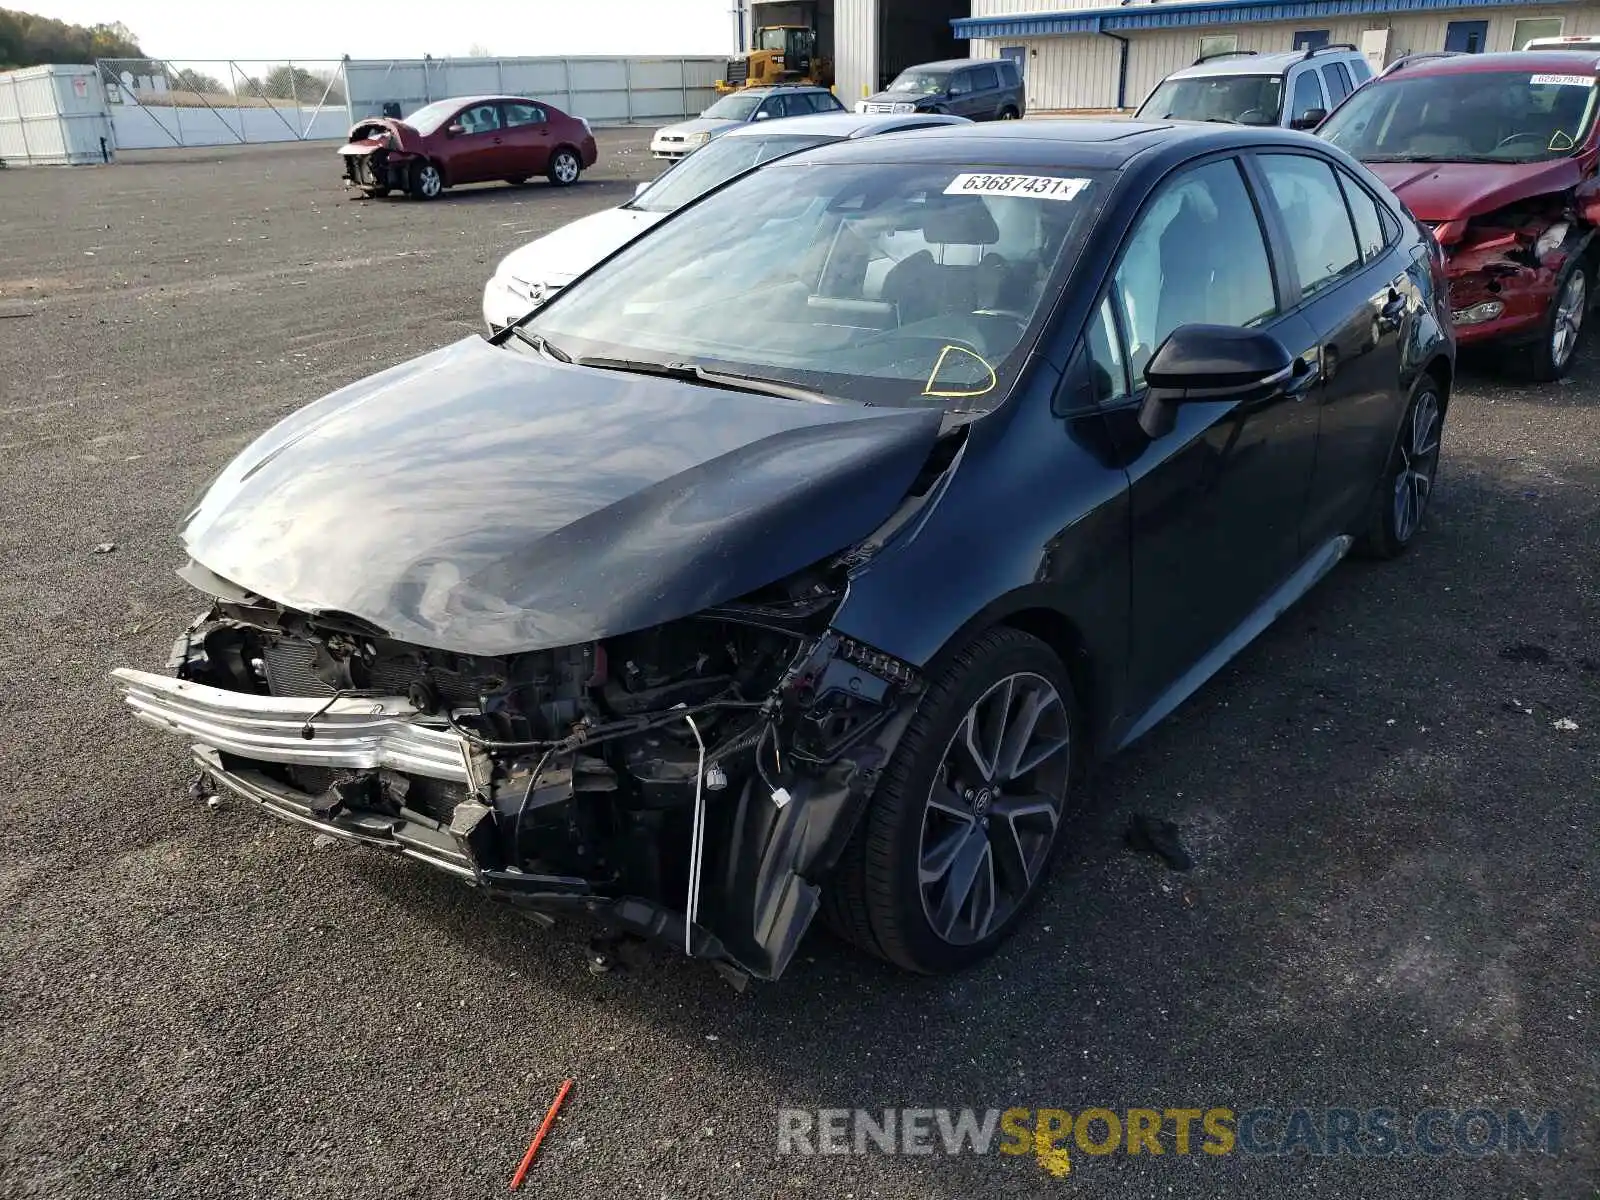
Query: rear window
x=1248, y=99
x=1480, y=116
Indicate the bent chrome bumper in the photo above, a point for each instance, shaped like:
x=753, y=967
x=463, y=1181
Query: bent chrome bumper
x=357, y=733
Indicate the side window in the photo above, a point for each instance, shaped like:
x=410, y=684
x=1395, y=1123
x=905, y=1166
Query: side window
x=1196, y=254
x=1102, y=346
x=961, y=84
x=772, y=107
x=1372, y=235
x=1320, y=233
x=1306, y=96
x=523, y=114
x=481, y=118
x=985, y=79
x=1338, y=81
x=1361, y=69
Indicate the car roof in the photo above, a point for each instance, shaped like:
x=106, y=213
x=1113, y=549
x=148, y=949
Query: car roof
x=767, y=89
x=1275, y=63
x=1074, y=142
x=845, y=124
x=488, y=100
x=1543, y=62
x=953, y=64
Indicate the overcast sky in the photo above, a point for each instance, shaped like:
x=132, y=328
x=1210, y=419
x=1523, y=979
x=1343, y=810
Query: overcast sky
x=279, y=29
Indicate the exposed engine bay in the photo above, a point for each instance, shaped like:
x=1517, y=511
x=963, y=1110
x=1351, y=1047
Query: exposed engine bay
x=650, y=778
x=374, y=157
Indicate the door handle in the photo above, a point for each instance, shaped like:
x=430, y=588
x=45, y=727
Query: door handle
x=1394, y=308
x=1304, y=374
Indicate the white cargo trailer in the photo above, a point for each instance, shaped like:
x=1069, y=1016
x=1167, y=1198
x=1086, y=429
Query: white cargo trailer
x=54, y=116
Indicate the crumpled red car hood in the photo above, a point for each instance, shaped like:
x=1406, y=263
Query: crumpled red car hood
x=1455, y=191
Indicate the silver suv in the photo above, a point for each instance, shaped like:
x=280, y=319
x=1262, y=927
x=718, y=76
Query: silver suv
x=1296, y=88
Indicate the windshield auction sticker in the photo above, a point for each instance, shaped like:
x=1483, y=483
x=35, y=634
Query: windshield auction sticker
x=1563, y=80
x=1037, y=187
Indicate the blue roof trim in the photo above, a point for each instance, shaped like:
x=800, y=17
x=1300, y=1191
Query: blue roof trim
x=1205, y=12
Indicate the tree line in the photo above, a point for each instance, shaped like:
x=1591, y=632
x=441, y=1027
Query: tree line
x=27, y=40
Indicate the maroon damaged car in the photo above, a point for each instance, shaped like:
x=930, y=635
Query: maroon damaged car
x=470, y=139
x=1496, y=153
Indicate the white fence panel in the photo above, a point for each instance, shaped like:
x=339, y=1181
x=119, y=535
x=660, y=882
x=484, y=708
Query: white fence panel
x=159, y=126
x=605, y=90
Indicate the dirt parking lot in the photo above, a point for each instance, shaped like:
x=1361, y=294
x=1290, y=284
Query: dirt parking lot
x=1394, y=905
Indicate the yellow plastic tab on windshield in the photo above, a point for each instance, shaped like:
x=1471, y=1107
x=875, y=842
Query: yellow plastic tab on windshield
x=947, y=394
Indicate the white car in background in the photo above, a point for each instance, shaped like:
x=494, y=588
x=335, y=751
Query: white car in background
x=529, y=276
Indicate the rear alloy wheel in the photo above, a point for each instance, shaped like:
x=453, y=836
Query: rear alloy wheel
x=426, y=182
x=1408, y=484
x=1009, y=114
x=565, y=168
x=1553, y=353
x=959, y=834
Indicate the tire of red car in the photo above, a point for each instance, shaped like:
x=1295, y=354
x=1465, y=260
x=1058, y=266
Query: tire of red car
x=565, y=167
x=1550, y=357
x=425, y=181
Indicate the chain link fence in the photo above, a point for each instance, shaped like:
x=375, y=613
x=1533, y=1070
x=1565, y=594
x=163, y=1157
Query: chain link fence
x=210, y=102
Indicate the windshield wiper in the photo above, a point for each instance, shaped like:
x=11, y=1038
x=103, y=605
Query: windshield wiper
x=1437, y=158
x=541, y=343
x=695, y=373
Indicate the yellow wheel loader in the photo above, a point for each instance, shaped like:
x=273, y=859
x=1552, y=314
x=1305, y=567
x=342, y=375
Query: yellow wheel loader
x=782, y=54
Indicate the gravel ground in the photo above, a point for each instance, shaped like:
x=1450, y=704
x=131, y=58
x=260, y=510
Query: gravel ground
x=1394, y=903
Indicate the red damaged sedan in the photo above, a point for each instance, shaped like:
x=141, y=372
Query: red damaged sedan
x=1497, y=153
x=470, y=139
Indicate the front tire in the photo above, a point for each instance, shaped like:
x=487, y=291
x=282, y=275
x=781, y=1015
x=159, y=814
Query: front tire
x=1557, y=345
x=426, y=182
x=564, y=168
x=956, y=842
x=1407, y=486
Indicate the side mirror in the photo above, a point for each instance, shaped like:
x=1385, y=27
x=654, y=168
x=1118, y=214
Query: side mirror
x=1310, y=119
x=763, y=115
x=455, y=130
x=1210, y=362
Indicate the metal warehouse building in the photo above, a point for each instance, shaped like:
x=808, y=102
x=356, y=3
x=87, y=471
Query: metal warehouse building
x=1093, y=56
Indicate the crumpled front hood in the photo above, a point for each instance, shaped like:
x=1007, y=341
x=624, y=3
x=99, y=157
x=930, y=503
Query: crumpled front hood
x=482, y=500
x=1456, y=191
x=561, y=256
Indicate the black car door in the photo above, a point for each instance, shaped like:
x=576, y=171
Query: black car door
x=1217, y=504
x=1357, y=295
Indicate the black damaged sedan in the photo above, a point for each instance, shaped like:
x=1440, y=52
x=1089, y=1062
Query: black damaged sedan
x=799, y=557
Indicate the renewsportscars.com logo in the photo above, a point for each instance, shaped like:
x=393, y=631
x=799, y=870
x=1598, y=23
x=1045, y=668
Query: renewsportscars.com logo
x=1055, y=1137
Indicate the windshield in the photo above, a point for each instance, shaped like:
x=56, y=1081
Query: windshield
x=1477, y=116
x=905, y=284
x=716, y=164
x=1248, y=99
x=774, y=38
x=921, y=83
x=429, y=117
x=736, y=107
